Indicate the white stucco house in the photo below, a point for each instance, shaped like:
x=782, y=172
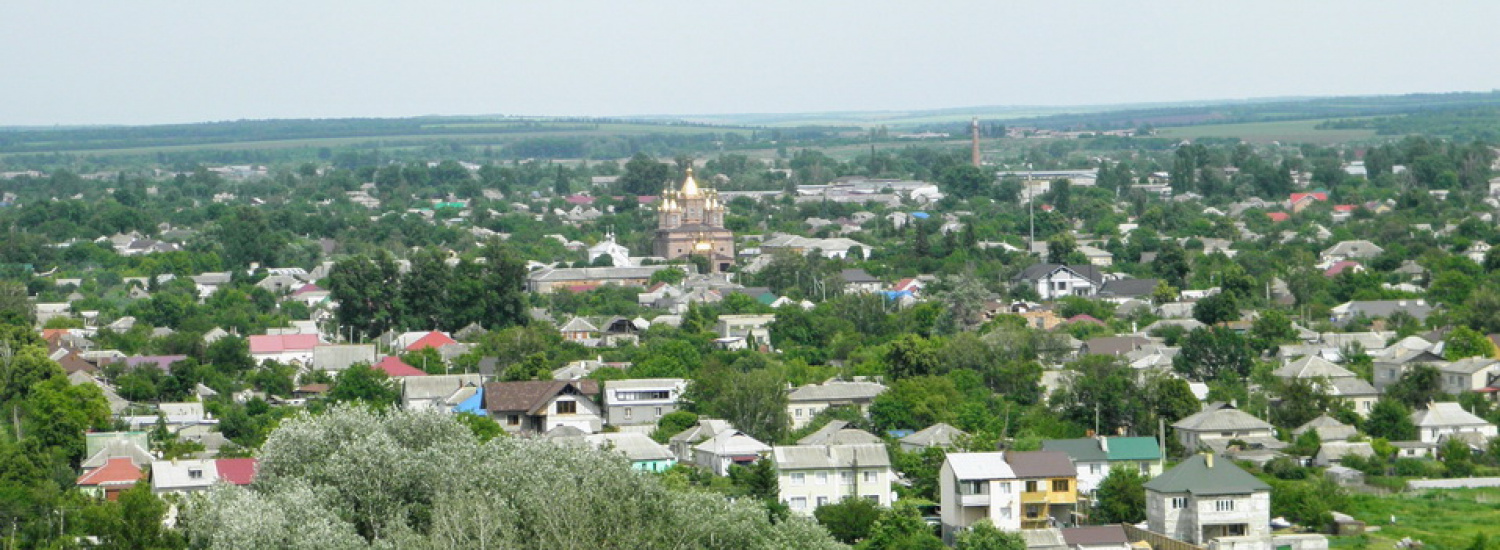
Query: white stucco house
x=1202, y=500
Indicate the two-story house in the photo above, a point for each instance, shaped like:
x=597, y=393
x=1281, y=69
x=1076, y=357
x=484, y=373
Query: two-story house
x=805, y=402
x=1202, y=499
x=642, y=400
x=1468, y=374
x=1391, y=366
x=1053, y=281
x=1095, y=457
x=1014, y=490
x=810, y=476
x=536, y=406
x=1332, y=380
x=1220, y=424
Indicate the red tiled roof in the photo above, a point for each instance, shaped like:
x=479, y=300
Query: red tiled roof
x=307, y=288
x=1085, y=318
x=1344, y=207
x=1278, y=216
x=118, y=471
x=313, y=388
x=394, y=367
x=1316, y=196
x=579, y=199
x=239, y=471
x=433, y=339
x=1340, y=267
x=277, y=343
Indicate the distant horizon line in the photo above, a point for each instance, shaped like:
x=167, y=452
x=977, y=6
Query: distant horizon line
x=690, y=117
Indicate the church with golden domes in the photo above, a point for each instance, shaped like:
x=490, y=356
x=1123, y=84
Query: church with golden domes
x=690, y=221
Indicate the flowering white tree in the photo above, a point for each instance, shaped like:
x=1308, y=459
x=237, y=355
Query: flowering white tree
x=356, y=478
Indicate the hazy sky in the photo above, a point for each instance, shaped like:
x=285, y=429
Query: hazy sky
x=146, y=61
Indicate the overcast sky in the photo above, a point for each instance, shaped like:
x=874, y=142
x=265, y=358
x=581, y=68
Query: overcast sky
x=146, y=61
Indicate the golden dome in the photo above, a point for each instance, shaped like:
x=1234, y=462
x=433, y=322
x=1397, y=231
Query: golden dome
x=689, y=187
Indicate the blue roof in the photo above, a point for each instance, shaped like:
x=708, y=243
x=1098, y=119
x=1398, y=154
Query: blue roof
x=474, y=404
x=921, y=215
x=898, y=434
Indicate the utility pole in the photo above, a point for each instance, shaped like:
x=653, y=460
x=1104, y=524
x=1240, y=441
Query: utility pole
x=1030, y=210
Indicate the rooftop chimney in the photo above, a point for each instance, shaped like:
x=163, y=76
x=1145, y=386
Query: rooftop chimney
x=1208, y=460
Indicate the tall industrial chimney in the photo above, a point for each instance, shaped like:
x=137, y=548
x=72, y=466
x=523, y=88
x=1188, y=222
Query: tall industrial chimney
x=974, y=130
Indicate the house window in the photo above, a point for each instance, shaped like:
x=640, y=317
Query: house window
x=1094, y=469
x=658, y=412
x=1224, y=505
x=822, y=501
x=869, y=477
x=799, y=503
x=799, y=478
x=799, y=413
x=1145, y=469
x=627, y=413
x=1031, y=486
x=195, y=474
x=973, y=488
x=1005, y=488
x=1059, y=485
x=1179, y=503
x=1033, y=510
x=567, y=407
x=513, y=419
x=1005, y=513
x=846, y=477
x=873, y=498
x=822, y=478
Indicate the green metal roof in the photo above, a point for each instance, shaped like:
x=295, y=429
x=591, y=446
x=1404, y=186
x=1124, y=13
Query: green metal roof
x=1120, y=448
x=1134, y=448
x=1195, y=476
x=1081, y=450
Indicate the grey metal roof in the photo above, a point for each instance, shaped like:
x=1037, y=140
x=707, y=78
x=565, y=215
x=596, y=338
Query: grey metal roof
x=831, y=456
x=1468, y=365
x=936, y=435
x=1328, y=428
x=1128, y=287
x=1445, y=414
x=840, y=436
x=1222, y=418
x=1312, y=366
x=1352, y=387
x=438, y=386
x=835, y=390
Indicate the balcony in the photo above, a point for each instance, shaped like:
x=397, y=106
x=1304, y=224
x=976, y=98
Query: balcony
x=982, y=499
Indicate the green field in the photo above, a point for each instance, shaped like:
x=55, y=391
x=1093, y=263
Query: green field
x=505, y=132
x=1439, y=518
x=1289, y=131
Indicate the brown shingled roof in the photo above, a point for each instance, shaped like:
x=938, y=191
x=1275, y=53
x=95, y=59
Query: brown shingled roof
x=1041, y=464
x=531, y=395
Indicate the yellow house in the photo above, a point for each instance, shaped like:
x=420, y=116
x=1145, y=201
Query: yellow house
x=1049, y=487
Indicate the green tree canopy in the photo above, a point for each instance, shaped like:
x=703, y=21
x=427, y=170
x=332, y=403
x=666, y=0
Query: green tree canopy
x=438, y=486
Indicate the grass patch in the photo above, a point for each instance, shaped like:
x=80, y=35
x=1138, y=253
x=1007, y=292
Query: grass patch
x=1448, y=518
